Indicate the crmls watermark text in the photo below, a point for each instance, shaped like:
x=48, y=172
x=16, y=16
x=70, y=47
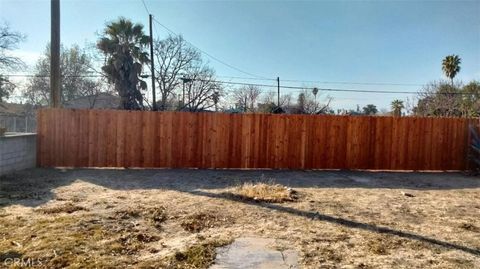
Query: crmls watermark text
x=23, y=262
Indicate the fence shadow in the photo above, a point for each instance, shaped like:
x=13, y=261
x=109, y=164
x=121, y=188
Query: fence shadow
x=37, y=186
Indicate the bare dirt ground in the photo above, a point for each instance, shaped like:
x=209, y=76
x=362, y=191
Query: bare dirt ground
x=87, y=218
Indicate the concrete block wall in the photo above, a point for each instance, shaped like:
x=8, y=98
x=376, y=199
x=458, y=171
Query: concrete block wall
x=17, y=151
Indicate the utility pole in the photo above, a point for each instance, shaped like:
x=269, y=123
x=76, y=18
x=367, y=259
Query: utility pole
x=55, y=79
x=245, y=107
x=185, y=80
x=278, y=91
x=152, y=66
x=183, y=93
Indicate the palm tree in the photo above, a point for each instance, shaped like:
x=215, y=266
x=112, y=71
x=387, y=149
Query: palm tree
x=123, y=44
x=397, y=106
x=451, y=66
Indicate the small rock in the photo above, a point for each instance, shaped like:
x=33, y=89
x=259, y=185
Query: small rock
x=407, y=194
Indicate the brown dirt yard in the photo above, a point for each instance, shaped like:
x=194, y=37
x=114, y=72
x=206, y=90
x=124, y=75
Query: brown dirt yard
x=99, y=218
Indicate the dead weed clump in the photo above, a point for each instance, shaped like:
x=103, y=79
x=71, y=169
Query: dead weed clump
x=378, y=247
x=387, y=244
x=157, y=216
x=63, y=208
x=203, y=220
x=131, y=243
x=265, y=192
x=198, y=256
x=127, y=213
x=469, y=227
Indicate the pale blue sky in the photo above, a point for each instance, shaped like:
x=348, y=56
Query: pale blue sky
x=336, y=41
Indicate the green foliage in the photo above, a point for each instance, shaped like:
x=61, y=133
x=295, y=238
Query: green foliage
x=124, y=44
x=269, y=107
x=447, y=100
x=370, y=109
x=471, y=99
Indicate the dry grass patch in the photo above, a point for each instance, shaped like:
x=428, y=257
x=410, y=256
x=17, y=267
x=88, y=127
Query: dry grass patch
x=265, y=192
x=127, y=213
x=61, y=241
x=203, y=220
x=119, y=228
x=62, y=208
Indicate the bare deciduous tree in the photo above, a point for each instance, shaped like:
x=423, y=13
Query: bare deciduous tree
x=246, y=97
x=268, y=103
x=203, y=90
x=185, y=81
x=444, y=99
x=307, y=104
x=9, y=41
x=271, y=97
x=175, y=60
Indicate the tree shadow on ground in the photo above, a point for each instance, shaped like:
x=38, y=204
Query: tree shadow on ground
x=342, y=221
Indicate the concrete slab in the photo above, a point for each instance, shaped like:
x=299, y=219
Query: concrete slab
x=254, y=253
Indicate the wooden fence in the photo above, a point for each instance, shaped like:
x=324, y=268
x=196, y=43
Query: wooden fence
x=112, y=138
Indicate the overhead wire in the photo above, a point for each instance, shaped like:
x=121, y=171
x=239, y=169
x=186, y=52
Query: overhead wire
x=260, y=78
x=202, y=51
x=327, y=82
x=256, y=77
x=145, y=6
x=301, y=88
x=208, y=54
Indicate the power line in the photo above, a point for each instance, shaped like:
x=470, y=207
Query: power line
x=47, y=76
x=309, y=88
x=327, y=82
x=353, y=83
x=208, y=54
x=148, y=13
x=145, y=6
x=300, y=88
x=204, y=52
x=328, y=89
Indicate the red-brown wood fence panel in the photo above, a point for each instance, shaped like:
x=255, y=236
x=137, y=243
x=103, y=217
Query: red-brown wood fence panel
x=114, y=138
